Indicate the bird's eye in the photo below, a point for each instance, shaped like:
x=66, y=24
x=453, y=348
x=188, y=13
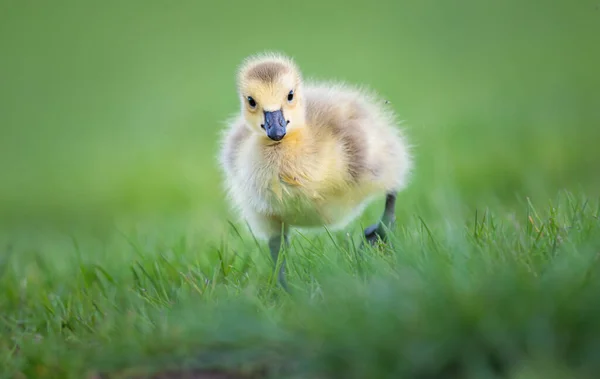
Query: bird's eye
x=291, y=95
x=251, y=102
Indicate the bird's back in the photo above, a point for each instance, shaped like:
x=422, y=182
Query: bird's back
x=363, y=124
x=331, y=104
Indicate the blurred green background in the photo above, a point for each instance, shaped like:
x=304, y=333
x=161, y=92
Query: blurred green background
x=110, y=114
x=113, y=109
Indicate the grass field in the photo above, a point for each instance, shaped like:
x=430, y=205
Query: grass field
x=119, y=255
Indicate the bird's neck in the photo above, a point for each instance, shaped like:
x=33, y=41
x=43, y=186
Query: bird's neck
x=296, y=138
x=294, y=149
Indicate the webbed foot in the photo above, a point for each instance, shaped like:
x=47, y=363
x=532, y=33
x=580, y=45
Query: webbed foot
x=375, y=233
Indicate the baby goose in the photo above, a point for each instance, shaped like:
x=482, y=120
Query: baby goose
x=305, y=155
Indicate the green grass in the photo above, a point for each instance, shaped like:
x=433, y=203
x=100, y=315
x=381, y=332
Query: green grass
x=117, y=254
x=494, y=293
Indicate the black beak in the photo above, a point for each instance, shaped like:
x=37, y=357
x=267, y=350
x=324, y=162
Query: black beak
x=275, y=125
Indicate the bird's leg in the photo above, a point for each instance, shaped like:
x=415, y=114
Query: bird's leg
x=378, y=230
x=275, y=248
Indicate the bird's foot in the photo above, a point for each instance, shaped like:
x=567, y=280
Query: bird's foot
x=375, y=233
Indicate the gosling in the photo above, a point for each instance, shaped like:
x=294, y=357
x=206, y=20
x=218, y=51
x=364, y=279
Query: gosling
x=309, y=154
